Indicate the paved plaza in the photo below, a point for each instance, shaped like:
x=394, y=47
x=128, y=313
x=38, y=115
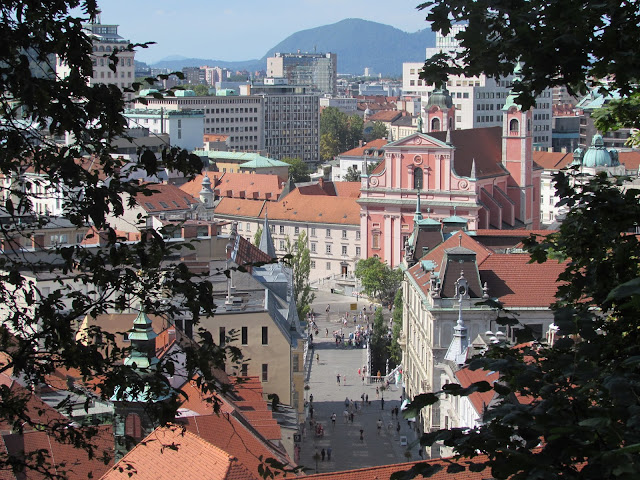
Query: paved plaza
x=348, y=451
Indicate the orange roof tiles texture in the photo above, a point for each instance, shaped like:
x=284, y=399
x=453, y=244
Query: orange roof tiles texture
x=166, y=198
x=377, y=144
x=384, y=472
x=256, y=183
x=479, y=400
x=170, y=452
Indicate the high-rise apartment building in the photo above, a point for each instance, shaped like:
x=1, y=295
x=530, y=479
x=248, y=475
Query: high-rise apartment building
x=317, y=69
x=105, y=40
x=478, y=99
x=291, y=119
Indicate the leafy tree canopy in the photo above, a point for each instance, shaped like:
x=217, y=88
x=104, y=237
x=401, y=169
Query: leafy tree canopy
x=352, y=175
x=581, y=414
x=299, y=170
x=338, y=132
x=300, y=258
x=378, y=279
x=577, y=44
x=375, y=131
x=38, y=326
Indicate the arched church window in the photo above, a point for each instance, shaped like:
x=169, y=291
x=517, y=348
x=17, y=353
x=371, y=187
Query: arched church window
x=417, y=179
x=435, y=125
x=514, y=127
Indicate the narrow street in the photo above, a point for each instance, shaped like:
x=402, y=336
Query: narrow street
x=348, y=451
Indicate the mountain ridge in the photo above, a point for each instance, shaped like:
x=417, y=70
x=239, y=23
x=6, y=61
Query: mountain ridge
x=358, y=44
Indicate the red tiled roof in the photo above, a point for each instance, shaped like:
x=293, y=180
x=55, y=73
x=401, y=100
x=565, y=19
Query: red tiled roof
x=240, y=207
x=257, y=183
x=510, y=277
x=479, y=400
x=347, y=189
x=166, y=198
x=211, y=137
x=297, y=207
x=518, y=283
x=38, y=411
x=67, y=460
x=169, y=453
x=249, y=253
x=234, y=437
x=384, y=472
x=484, y=145
x=630, y=160
x=385, y=116
x=378, y=143
x=552, y=160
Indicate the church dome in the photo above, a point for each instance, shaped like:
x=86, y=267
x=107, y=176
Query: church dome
x=440, y=97
x=598, y=156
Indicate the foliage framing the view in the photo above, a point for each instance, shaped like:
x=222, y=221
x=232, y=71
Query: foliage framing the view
x=38, y=332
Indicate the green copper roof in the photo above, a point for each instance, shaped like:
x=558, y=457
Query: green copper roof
x=427, y=221
x=598, y=156
x=455, y=219
x=263, y=162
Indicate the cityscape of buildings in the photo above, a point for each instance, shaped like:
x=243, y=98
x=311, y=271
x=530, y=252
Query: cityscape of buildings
x=462, y=176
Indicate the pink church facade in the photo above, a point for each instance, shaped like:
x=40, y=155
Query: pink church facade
x=485, y=176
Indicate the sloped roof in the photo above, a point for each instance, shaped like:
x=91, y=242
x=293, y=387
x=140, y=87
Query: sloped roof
x=169, y=453
x=297, y=207
x=347, y=189
x=385, y=116
x=479, y=400
x=377, y=144
x=510, y=277
x=552, y=160
x=240, y=207
x=237, y=182
x=166, y=198
x=263, y=162
x=384, y=472
x=484, y=145
x=234, y=437
x=518, y=283
x=65, y=457
x=630, y=160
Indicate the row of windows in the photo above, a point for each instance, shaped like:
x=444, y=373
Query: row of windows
x=489, y=118
x=244, y=336
x=542, y=139
x=232, y=110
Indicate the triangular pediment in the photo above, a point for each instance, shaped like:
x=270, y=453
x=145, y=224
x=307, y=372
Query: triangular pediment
x=421, y=140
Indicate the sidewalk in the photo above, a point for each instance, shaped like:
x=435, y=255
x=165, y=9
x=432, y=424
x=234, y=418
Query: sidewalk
x=348, y=452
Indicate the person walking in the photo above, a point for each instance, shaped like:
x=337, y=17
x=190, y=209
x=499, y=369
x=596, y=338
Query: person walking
x=382, y=404
x=379, y=426
x=311, y=398
x=377, y=392
x=366, y=398
x=317, y=359
x=333, y=419
x=329, y=453
x=361, y=435
x=322, y=454
x=328, y=308
x=398, y=428
x=326, y=332
x=338, y=378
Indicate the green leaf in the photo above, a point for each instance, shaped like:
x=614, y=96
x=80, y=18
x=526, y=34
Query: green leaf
x=627, y=289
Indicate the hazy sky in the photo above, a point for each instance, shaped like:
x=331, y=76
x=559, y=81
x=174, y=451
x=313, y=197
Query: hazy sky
x=241, y=30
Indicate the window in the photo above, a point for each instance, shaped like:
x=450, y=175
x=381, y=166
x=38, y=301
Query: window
x=313, y=231
x=375, y=240
x=357, y=251
x=281, y=244
x=417, y=178
x=282, y=229
x=344, y=250
x=313, y=247
x=297, y=230
x=328, y=233
x=328, y=249
x=245, y=336
x=328, y=266
x=435, y=125
x=513, y=126
x=313, y=264
x=358, y=235
x=344, y=234
x=265, y=335
x=248, y=227
x=223, y=337
x=296, y=363
x=164, y=205
x=265, y=372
